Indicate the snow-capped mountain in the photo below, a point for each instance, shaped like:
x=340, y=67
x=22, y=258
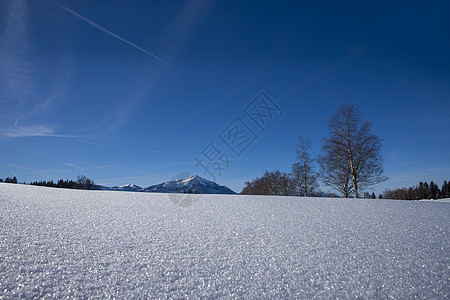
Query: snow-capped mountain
x=127, y=188
x=194, y=184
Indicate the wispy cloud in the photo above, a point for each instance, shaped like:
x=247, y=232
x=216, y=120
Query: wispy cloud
x=55, y=89
x=16, y=71
x=178, y=33
x=86, y=140
x=16, y=166
x=71, y=165
x=20, y=170
x=37, y=131
x=29, y=85
x=121, y=113
x=28, y=131
x=104, y=30
x=175, y=37
x=312, y=79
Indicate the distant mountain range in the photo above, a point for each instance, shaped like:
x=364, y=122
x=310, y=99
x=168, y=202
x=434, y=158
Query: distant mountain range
x=191, y=184
x=127, y=188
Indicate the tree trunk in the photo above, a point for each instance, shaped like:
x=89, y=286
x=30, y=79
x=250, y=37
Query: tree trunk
x=355, y=186
x=305, y=179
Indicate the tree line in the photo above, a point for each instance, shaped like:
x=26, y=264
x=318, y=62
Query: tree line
x=418, y=192
x=271, y=183
x=350, y=162
x=82, y=183
x=9, y=180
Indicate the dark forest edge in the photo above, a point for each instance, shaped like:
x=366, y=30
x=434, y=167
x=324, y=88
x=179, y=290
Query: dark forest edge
x=82, y=183
x=419, y=192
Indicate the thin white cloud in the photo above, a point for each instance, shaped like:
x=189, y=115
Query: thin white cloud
x=104, y=30
x=71, y=165
x=45, y=131
x=36, y=131
x=16, y=166
x=28, y=131
x=97, y=144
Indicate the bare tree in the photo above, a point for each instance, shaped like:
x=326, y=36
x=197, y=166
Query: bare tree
x=352, y=153
x=285, y=185
x=84, y=183
x=303, y=176
x=334, y=170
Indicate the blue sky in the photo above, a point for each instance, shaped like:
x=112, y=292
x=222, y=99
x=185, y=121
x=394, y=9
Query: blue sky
x=135, y=91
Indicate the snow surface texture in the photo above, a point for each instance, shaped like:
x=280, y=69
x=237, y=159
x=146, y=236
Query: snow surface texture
x=68, y=243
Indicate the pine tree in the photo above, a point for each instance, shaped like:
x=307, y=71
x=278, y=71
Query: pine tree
x=445, y=191
x=434, y=191
x=426, y=191
x=421, y=191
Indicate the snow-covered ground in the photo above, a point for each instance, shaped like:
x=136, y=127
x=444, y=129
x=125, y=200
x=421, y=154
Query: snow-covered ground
x=437, y=200
x=68, y=243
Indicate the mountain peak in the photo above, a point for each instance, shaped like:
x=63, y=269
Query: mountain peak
x=127, y=188
x=194, y=183
x=192, y=178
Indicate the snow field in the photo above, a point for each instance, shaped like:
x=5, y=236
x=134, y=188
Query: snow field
x=57, y=243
